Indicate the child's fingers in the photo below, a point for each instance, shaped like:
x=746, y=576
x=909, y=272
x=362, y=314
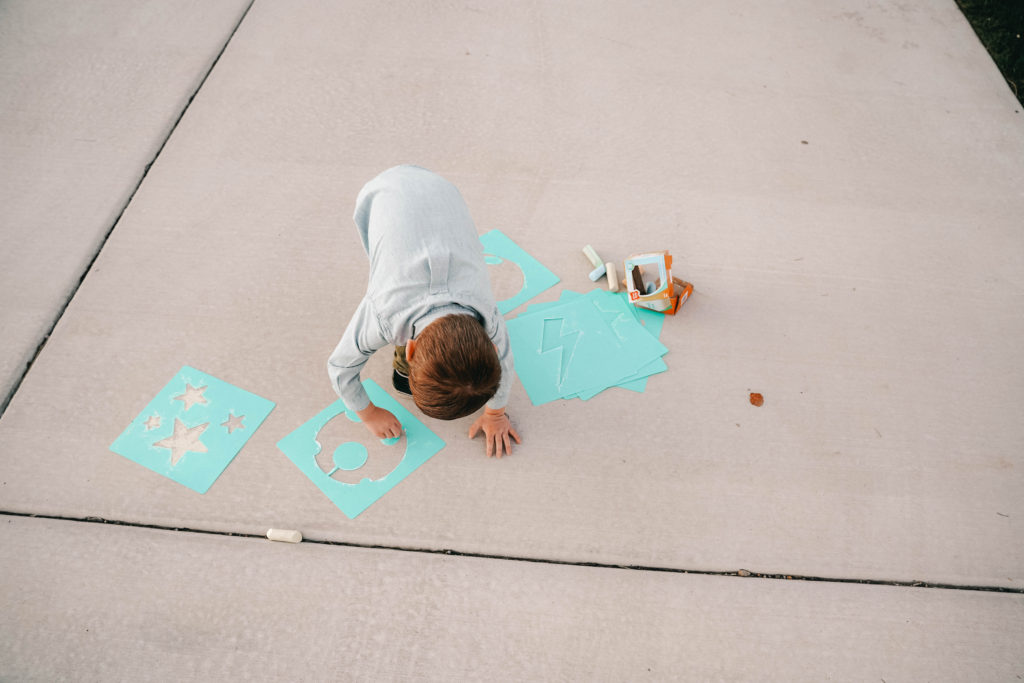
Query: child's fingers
x=515, y=435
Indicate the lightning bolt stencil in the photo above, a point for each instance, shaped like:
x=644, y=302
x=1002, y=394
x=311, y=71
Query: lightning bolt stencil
x=552, y=337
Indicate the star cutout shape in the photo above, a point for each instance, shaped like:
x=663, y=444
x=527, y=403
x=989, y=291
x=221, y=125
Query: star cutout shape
x=152, y=423
x=191, y=396
x=233, y=422
x=183, y=440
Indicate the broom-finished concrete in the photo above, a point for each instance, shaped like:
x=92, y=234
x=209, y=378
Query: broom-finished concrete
x=840, y=182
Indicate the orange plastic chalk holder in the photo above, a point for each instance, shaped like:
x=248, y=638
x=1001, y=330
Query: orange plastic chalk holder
x=669, y=293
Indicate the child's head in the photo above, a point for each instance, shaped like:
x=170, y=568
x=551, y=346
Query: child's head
x=453, y=367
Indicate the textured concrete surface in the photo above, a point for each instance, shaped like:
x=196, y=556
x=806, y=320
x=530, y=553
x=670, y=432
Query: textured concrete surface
x=89, y=93
x=119, y=603
x=840, y=181
x=867, y=283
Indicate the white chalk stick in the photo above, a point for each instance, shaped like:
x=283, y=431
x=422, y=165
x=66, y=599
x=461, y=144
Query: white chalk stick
x=284, y=535
x=592, y=256
x=613, y=279
x=597, y=273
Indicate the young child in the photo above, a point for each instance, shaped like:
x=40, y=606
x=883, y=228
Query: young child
x=428, y=294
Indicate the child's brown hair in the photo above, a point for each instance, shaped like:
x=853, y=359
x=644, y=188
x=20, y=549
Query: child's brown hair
x=454, y=369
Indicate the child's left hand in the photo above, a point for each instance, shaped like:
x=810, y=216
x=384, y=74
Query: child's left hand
x=497, y=430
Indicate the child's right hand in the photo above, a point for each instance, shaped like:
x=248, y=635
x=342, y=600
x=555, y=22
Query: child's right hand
x=381, y=423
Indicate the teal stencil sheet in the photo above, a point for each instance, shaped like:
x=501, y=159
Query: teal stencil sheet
x=579, y=345
x=193, y=429
x=302, y=447
x=623, y=316
x=650, y=321
x=536, y=278
x=551, y=349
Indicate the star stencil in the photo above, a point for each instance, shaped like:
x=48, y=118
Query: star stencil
x=185, y=432
x=191, y=396
x=233, y=422
x=183, y=440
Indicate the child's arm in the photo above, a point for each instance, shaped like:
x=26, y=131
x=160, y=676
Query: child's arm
x=503, y=345
x=496, y=425
x=498, y=432
x=362, y=337
x=381, y=423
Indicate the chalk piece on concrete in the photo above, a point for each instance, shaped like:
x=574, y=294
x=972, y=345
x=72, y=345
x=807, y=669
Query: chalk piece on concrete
x=285, y=535
x=613, y=278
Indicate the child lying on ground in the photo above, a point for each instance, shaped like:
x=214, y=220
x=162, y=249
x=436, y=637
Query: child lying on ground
x=429, y=294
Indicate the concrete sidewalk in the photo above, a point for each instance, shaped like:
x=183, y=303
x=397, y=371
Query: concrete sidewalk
x=225, y=608
x=90, y=94
x=842, y=183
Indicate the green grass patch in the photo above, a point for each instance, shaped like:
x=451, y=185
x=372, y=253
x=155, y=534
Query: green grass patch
x=1000, y=26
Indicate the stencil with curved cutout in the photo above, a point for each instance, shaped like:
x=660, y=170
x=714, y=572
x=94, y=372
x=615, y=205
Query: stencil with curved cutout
x=506, y=278
x=303, y=448
x=536, y=278
x=343, y=441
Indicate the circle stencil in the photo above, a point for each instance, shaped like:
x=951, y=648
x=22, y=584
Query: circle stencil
x=350, y=456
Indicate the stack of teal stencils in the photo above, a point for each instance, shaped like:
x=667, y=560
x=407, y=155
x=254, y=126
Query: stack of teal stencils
x=582, y=344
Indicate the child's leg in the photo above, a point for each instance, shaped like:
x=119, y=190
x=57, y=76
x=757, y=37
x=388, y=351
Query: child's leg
x=400, y=376
x=399, y=362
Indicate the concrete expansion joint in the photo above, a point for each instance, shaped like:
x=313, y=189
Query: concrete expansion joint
x=5, y=400
x=739, y=573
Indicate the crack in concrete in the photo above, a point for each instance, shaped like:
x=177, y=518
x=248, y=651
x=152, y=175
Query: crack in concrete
x=740, y=573
x=103, y=242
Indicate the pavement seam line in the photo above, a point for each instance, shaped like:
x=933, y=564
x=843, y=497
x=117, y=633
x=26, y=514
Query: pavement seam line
x=103, y=242
x=740, y=573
